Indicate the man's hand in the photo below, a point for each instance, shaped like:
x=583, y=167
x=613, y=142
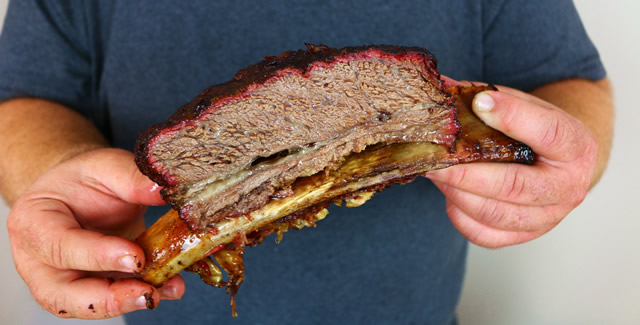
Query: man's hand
x=70, y=236
x=496, y=205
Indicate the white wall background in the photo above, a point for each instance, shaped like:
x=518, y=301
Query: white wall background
x=586, y=271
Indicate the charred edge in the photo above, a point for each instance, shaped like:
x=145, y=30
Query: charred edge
x=256, y=74
x=524, y=154
x=520, y=152
x=148, y=297
x=201, y=106
x=62, y=312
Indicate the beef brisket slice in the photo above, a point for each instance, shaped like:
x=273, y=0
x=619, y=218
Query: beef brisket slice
x=240, y=143
x=170, y=245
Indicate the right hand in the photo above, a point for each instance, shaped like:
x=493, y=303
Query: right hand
x=71, y=234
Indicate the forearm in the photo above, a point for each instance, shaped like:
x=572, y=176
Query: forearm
x=590, y=102
x=37, y=135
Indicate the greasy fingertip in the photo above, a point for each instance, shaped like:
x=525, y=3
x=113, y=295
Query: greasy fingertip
x=152, y=195
x=145, y=191
x=95, y=252
x=125, y=179
x=97, y=298
x=130, y=263
x=130, y=294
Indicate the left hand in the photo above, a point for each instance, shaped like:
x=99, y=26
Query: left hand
x=496, y=205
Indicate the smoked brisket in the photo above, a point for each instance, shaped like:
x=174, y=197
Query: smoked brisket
x=240, y=144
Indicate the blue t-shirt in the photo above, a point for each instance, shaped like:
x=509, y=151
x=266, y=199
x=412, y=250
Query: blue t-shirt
x=396, y=260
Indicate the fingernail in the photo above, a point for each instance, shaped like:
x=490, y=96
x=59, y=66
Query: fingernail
x=483, y=102
x=128, y=263
x=145, y=301
x=168, y=292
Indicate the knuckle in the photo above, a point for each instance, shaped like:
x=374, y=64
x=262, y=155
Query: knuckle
x=55, y=255
x=552, y=133
x=491, y=213
x=513, y=184
x=459, y=176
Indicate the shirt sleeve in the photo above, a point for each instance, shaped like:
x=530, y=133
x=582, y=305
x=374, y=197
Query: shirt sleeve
x=527, y=44
x=44, y=54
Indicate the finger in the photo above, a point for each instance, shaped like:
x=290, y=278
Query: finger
x=502, y=215
x=52, y=235
x=513, y=183
x=118, y=173
x=172, y=289
x=483, y=235
x=549, y=131
x=66, y=294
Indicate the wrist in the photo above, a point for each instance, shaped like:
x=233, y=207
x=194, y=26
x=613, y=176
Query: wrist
x=38, y=135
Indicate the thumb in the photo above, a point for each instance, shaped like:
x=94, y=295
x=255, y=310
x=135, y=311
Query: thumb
x=117, y=169
x=548, y=130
